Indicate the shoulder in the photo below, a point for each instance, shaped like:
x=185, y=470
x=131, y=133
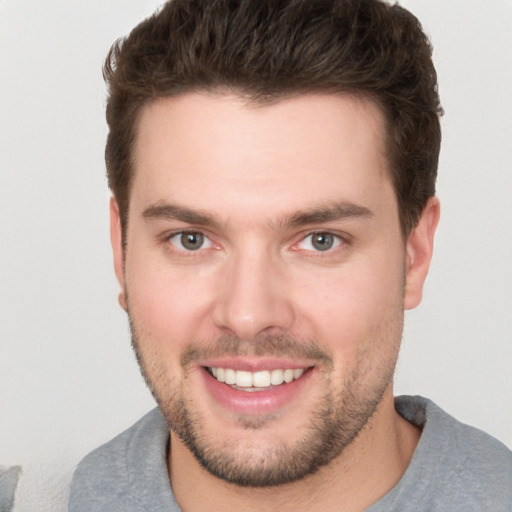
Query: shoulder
x=457, y=464
x=458, y=440
x=110, y=477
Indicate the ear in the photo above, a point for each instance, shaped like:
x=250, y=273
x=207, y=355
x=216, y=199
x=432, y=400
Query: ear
x=418, y=255
x=116, y=238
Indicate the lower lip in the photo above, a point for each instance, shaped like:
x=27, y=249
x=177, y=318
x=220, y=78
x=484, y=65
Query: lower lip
x=254, y=402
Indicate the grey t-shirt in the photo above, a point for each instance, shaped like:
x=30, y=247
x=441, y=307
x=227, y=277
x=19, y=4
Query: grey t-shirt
x=454, y=468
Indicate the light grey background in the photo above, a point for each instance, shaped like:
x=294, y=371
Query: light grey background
x=68, y=380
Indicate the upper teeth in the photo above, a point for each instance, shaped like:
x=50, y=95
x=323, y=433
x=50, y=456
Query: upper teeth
x=262, y=379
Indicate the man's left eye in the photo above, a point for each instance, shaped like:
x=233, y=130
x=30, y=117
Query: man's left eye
x=320, y=241
x=190, y=241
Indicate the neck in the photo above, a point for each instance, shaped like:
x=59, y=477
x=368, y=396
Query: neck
x=365, y=471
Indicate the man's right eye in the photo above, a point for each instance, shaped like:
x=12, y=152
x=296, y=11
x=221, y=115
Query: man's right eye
x=190, y=241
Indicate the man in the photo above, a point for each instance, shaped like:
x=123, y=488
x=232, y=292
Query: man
x=273, y=169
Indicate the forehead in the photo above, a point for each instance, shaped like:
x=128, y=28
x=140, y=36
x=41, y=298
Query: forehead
x=214, y=150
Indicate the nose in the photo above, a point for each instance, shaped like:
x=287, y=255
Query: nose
x=253, y=297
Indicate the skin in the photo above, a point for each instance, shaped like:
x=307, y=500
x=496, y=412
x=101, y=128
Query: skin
x=255, y=174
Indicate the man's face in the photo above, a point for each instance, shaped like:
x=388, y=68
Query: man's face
x=264, y=250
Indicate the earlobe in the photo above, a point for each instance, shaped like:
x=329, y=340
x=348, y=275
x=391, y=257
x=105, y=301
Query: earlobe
x=419, y=249
x=116, y=238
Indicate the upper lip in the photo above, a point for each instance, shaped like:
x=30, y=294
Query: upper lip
x=254, y=365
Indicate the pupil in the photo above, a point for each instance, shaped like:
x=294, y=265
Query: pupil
x=322, y=241
x=192, y=241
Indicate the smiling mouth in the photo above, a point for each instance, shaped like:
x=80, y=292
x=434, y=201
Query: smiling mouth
x=255, y=381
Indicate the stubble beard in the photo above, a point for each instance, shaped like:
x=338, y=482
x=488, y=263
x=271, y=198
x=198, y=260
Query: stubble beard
x=335, y=421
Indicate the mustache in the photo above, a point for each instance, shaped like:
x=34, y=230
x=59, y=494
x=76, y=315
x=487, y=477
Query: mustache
x=275, y=346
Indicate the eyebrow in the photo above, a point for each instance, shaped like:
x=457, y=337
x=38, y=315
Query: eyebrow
x=328, y=212
x=169, y=211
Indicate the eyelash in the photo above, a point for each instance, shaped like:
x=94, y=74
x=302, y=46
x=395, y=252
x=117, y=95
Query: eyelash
x=169, y=239
x=340, y=240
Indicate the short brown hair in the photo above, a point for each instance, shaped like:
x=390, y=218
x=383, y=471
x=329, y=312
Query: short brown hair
x=269, y=49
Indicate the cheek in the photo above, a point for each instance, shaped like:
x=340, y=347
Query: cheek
x=167, y=307
x=351, y=308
